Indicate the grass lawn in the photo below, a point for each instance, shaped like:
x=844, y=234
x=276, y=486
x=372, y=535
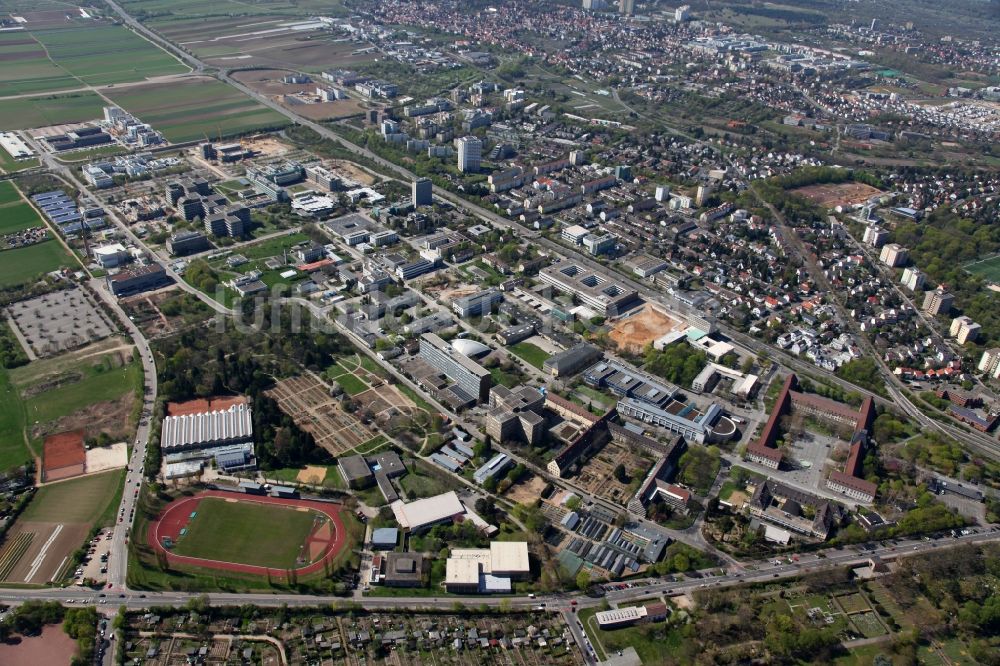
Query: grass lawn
x=246, y=532
x=594, y=394
x=532, y=354
x=25, y=264
x=351, y=384
x=13, y=449
x=508, y=379
x=417, y=399
x=332, y=479
x=272, y=247
x=865, y=655
x=422, y=481
x=10, y=165
x=99, y=384
x=372, y=366
x=81, y=500
x=371, y=446
x=649, y=640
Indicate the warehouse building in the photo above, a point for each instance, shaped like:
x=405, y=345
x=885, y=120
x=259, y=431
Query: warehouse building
x=136, y=280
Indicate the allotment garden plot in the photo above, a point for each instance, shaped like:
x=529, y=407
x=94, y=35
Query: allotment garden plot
x=308, y=401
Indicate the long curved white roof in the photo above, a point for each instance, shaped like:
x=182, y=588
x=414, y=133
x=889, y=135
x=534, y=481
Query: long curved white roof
x=470, y=348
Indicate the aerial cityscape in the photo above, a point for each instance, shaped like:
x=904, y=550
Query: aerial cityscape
x=510, y=332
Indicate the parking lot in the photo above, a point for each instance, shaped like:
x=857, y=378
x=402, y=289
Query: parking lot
x=58, y=321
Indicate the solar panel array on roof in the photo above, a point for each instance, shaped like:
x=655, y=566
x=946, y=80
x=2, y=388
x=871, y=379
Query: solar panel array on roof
x=76, y=227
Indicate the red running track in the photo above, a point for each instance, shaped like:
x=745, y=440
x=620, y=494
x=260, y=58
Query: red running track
x=178, y=513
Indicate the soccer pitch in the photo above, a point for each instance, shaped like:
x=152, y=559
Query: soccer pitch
x=246, y=532
x=988, y=269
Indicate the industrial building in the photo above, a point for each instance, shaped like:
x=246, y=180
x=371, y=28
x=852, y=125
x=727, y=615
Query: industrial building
x=515, y=334
x=384, y=538
x=494, y=468
x=404, y=570
x=111, y=255
x=680, y=418
x=362, y=472
x=136, y=280
x=200, y=430
x=320, y=175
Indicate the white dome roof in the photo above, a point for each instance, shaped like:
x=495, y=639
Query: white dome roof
x=468, y=347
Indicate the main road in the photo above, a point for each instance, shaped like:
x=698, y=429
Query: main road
x=759, y=571
x=118, y=553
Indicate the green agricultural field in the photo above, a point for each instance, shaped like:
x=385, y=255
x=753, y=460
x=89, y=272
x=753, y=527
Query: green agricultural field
x=28, y=112
x=82, y=500
x=194, y=109
x=8, y=193
x=13, y=448
x=868, y=624
x=17, y=216
x=99, y=383
x=988, y=269
x=30, y=263
x=263, y=535
x=105, y=54
x=67, y=58
x=27, y=69
x=163, y=13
